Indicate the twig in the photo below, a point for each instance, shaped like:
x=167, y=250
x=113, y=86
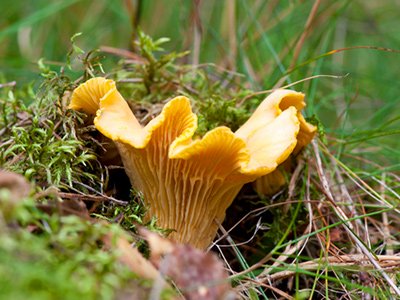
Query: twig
x=300, y=42
x=12, y=83
x=218, y=68
x=84, y=197
x=123, y=53
x=357, y=261
x=292, y=184
x=197, y=31
x=130, y=80
x=23, y=122
x=112, y=199
x=231, y=7
x=307, y=27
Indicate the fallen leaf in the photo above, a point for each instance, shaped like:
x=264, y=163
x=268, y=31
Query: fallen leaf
x=16, y=184
x=132, y=258
x=198, y=274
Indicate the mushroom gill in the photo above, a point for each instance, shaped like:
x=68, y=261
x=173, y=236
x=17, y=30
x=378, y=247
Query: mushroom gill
x=189, y=183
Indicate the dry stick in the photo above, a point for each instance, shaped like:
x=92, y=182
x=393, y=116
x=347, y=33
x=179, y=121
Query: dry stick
x=196, y=32
x=292, y=184
x=83, y=197
x=300, y=42
x=358, y=261
x=12, y=83
x=348, y=225
x=123, y=53
x=307, y=27
x=250, y=269
x=310, y=210
x=20, y=123
x=338, y=60
x=295, y=176
x=112, y=199
x=345, y=194
x=228, y=266
x=231, y=6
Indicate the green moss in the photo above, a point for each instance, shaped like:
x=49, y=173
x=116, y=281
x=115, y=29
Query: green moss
x=52, y=257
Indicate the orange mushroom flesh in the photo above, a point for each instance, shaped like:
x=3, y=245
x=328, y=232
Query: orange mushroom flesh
x=188, y=183
x=281, y=100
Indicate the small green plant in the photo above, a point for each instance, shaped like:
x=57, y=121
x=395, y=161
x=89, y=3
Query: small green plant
x=153, y=69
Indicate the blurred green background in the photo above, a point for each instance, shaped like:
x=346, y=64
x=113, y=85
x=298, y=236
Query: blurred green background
x=263, y=40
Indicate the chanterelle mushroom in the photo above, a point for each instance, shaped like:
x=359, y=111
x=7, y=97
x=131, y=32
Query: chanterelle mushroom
x=188, y=184
x=283, y=99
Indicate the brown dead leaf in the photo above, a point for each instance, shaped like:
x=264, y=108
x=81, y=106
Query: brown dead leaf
x=198, y=274
x=132, y=258
x=74, y=206
x=159, y=246
x=16, y=184
x=62, y=203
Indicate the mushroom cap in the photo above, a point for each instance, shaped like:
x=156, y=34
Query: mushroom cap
x=86, y=97
x=274, y=104
x=189, y=183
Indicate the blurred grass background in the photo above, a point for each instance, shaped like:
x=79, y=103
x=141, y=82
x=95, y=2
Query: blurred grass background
x=272, y=43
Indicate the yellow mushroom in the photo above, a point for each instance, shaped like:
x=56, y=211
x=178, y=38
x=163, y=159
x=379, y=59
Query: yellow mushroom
x=189, y=183
x=281, y=100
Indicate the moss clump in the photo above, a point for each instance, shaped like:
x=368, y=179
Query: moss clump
x=48, y=256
